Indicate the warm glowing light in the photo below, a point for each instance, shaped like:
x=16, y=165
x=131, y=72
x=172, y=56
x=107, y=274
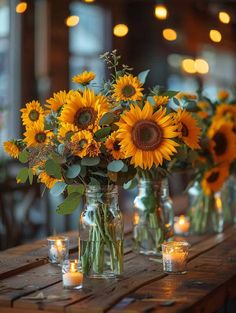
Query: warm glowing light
x=120, y=30
x=201, y=66
x=161, y=12
x=224, y=17
x=136, y=218
x=169, y=34
x=89, y=1
x=72, y=20
x=215, y=35
x=188, y=66
x=21, y=7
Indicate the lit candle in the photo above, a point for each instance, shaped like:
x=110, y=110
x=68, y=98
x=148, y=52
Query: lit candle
x=175, y=255
x=181, y=225
x=58, y=249
x=71, y=275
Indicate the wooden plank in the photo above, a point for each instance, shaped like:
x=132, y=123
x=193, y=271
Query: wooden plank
x=13, y=310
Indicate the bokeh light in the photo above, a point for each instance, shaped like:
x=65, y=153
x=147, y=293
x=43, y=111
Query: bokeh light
x=72, y=20
x=120, y=30
x=224, y=17
x=169, y=34
x=215, y=35
x=188, y=66
x=161, y=12
x=21, y=7
x=201, y=66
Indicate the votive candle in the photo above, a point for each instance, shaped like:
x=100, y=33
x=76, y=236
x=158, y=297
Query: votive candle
x=58, y=249
x=72, y=275
x=181, y=225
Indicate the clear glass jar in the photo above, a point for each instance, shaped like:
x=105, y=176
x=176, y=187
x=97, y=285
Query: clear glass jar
x=205, y=211
x=101, y=233
x=228, y=194
x=153, y=216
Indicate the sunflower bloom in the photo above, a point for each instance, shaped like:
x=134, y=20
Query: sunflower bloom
x=189, y=132
x=37, y=135
x=161, y=100
x=185, y=95
x=93, y=149
x=222, y=142
x=66, y=130
x=145, y=137
x=11, y=149
x=223, y=95
x=225, y=112
x=214, y=179
x=127, y=88
x=113, y=146
x=57, y=101
x=33, y=113
x=84, y=110
x=80, y=143
x=47, y=180
x=84, y=78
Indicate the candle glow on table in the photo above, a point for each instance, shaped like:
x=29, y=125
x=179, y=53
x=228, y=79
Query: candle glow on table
x=181, y=225
x=175, y=255
x=58, y=249
x=71, y=275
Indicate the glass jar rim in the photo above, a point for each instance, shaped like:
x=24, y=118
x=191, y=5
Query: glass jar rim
x=55, y=238
x=176, y=244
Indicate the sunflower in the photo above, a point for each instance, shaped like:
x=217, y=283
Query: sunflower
x=214, y=179
x=80, y=143
x=37, y=135
x=57, y=101
x=11, y=149
x=84, y=78
x=226, y=112
x=145, y=136
x=185, y=95
x=223, y=95
x=93, y=149
x=49, y=181
x=127, y=88
x=203, y=105
x=189, y=132
x=222, y=142
x=113, y=146
x=161, y=100
x=33, y=113
x=84, y=110
x=66, y=130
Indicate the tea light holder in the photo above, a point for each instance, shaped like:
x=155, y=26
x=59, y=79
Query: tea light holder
x=181, y=225
x=58, y=249
x=175, y=256
x=72, y=276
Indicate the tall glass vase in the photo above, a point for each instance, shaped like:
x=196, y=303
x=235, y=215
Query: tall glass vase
x=228, y=194
x=101, y=233
x=206, y=212
x=153, y=216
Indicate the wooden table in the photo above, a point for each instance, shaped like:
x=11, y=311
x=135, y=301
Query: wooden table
x=209, y=283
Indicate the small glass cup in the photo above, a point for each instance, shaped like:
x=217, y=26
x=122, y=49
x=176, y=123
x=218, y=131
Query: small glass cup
x=58, y=249
x=72, y=276
x=175, y=256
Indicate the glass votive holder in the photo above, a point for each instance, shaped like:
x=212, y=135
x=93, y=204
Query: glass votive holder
x=175, y=256
x=58, y=249
x=72, y=276
x=181, y=225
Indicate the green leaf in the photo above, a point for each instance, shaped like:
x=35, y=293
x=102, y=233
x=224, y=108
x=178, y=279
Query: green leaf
x=83, y=171
x=76, y=188
x=103, y=132
x=94, y=182
x=61, y=148
x=23, y=156
x=23, y=174
x=176, y=102
x=143, y=75
x=73, y=171
x=131, y=184
x=53, y=169
x=99, y=173
x=69, y=204
x=90, y=161
x=107, y=118
x=151, y=100
x=31, y=175
x=58, y=188
x=170, y=93
x=115, y=166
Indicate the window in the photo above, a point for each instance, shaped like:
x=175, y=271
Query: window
x=89, y=39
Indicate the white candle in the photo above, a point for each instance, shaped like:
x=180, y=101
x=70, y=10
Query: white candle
x=181, y=225
x=71, y=276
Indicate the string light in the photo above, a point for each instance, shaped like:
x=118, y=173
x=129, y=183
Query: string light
x=215, y=35
x=188, y=66
x=21, y=7
x=201, y=66
x=161, y=12
x=169, y=34
x=72, y=20
x=120, y=30
x=224, y=17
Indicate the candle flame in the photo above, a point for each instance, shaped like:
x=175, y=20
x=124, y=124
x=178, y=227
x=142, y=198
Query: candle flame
x=73, y=267
x=182, y=219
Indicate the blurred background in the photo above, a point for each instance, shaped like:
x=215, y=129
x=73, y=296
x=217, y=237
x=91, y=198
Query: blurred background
x=187, y=44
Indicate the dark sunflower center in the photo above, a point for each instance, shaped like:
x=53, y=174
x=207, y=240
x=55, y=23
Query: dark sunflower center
x=40, y=137
x=128, y=91
x=146, y=135
x=85, y=117
x=220, y=143
x=34, y=115
x=116, y=145
x=82, y=143
x=184, y=130
x=213, y=177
